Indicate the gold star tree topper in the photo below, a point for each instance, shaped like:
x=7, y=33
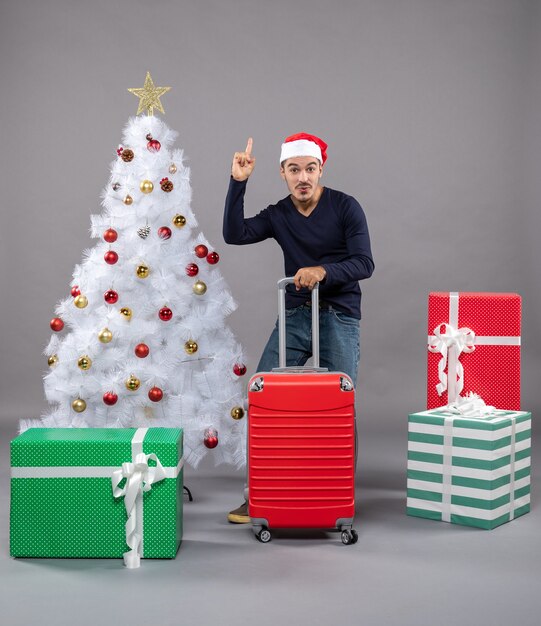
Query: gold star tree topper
x=149, y=96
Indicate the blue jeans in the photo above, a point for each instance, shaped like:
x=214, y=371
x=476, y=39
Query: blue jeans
x=339, y=341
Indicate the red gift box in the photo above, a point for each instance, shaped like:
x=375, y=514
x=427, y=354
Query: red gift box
x=474, y=345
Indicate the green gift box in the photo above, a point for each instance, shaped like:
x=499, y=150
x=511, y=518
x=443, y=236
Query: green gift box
x=469, y=470
x=92, y=492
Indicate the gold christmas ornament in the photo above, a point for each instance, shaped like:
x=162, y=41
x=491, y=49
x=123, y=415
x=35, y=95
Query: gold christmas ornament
x=84, y=363
x=146, y=186
x=199, y=287
x=126, y=312
x=237, y=412
x=128, y=199
x=78, y=405
x=191, y=346
x=133, y=383
x=105, y=335
x=142, y=271
x=52, y=360
x=149, y=96
x=172, y=168
x=80, y=301
x=179, y=220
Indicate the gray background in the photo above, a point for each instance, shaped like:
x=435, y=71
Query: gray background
x=431, y=112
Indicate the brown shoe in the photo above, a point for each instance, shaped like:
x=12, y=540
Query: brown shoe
x=240, y=515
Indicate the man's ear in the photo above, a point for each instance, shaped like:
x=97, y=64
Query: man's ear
x=282, y=172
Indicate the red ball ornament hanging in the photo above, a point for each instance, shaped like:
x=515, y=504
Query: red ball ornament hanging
x=57, y=324
x=239, y=369
x=110, y=296
x=213, y=258
x=165, y=314
x=110, y=398
x=210, y=438
x=110, y=235
x=201, y=251
x=111, y=257
x=142, y=350
x=75, y=291
x=155, y=394
x=192, y=269
x=164, y=232
x=154, y=145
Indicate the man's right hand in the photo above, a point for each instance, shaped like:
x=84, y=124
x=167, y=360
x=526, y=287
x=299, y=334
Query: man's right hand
x=243, y=163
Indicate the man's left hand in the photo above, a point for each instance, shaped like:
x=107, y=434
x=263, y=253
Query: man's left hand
x=309, y=276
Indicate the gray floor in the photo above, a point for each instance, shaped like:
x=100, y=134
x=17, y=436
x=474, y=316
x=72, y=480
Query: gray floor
x=402, y=570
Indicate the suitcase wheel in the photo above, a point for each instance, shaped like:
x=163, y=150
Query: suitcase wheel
x=264, y=535
x=349, y=537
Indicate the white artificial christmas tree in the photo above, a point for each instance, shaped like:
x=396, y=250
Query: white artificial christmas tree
x=142, y=340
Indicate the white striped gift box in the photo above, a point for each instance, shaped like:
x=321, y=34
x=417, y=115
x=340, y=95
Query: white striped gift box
x=468, y=470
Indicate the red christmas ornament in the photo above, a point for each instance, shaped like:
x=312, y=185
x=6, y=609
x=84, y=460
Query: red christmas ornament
x=213, y=258
x=155, y=394
x=165, y=314
x=239, y=369
x=57, y=324
x=110, y=296
x=154, y=145
x=164, y=232
x=210, y=438
x=192, y=269
x=119, y=150
x=75, y=291
x=110, y=398
x=201, y=251
x=110, y=235
x=110, y=257
x=142, y=350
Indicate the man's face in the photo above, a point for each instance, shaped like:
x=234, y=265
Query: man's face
x=302, y=176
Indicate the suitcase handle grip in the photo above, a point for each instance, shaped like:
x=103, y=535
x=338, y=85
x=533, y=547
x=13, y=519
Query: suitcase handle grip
x=282, y=321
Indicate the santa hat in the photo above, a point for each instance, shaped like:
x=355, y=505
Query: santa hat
x=303, y=144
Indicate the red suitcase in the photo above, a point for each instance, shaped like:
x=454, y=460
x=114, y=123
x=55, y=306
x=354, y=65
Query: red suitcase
x=301, y=443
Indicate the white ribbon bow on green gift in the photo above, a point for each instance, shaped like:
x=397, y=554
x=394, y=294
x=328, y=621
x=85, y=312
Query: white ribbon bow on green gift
x=139, y=478
x=445, y=338
x=470, y=405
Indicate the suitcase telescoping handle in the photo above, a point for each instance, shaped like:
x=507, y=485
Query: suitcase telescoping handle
x=282, y=321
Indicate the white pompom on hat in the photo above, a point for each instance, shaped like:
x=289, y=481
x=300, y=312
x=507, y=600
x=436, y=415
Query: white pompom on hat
x=303, y=144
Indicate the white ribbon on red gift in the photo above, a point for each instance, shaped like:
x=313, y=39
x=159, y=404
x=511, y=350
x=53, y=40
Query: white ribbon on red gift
x=139, y=478
x=451, y=341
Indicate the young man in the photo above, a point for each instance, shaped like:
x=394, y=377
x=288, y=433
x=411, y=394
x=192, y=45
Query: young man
x=324, y=238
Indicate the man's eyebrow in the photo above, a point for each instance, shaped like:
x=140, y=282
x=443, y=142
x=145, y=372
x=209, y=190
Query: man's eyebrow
x=297, y=165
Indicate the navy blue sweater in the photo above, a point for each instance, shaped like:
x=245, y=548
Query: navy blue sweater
x=334, y=235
